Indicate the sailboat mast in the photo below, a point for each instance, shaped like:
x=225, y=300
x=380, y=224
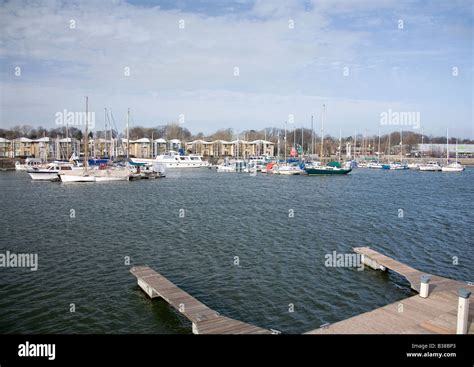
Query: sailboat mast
x=285, y=142
x=67, y=142
x=378, y=150
x=105, y=131
x=355, y=143
x=322, y=134
x=401, y=146
x=447, y=147
x=128, y=137
x=340, y=144
x=422, y=147
x=302, y=137
x=86, y=138
x=312, y=136
x=456, y=150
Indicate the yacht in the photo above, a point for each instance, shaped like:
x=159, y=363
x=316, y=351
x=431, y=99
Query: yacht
x=29, y=163
x=50, y=172
x=454, y=166
x=288, y=170
x=375, y=165
x=414, y=166
x=398, y=166
x=431, y=166
x=173, y=159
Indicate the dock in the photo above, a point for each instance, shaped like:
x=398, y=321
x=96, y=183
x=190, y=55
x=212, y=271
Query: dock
x=433, y=311
x=435, y=314
x=204, y=320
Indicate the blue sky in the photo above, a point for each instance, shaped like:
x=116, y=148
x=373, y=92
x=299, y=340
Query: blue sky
x=350, y=55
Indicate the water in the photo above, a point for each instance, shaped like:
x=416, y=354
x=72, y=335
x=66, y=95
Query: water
x=81, y=259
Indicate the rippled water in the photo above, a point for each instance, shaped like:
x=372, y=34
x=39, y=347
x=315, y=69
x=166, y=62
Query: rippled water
x=81, y=259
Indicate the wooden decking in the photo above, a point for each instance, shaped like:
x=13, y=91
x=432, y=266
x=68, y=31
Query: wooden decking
x=436, y=314
x=204, y=320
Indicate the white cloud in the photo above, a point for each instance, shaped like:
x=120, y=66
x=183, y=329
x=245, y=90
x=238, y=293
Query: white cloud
x=188, y=70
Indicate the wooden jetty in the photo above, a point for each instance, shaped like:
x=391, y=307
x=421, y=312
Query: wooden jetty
x=435, y=314
x=204, y=320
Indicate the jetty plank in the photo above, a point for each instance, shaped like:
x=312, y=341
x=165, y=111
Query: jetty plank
x=204, y=319
x=436, y=314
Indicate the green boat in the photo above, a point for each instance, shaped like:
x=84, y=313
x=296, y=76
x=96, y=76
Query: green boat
x=332, y=168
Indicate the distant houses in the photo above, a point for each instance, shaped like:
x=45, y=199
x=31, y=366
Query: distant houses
x=62, y=148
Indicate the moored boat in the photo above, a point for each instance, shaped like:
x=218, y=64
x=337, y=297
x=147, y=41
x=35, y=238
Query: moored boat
x=173, y=159
x=287, y=170
x=454, y=166
x=29, y=163
x=431, y=166
x=50, y=172
x=332, y=168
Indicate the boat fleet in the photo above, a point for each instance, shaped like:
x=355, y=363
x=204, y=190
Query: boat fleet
x=106, y=170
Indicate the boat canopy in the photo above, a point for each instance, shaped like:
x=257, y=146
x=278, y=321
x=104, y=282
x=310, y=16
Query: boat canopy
x=334, y=164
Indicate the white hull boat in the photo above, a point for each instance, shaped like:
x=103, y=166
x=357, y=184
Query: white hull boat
x=173, y=159
x=288, y=171
x=29, y=163
x=430, y=167
x=72, y=176
x=398, y=166
x=453, y=167
x=50, y=172
x=107, y=175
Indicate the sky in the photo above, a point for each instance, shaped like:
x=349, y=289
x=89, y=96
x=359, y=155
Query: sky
x=241, y=64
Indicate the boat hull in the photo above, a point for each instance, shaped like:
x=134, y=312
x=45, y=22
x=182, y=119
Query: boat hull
x=452, y=169
x=172, y=163
x=44, y=176
x=76, y=178
x=430, y=169
x=322, y=171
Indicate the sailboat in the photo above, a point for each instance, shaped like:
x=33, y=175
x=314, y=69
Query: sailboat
x=94, y=175
x=399, y=165
x=76, y=175
x=377, y=165
x=454, y=166
x=286, y=169
x=332, y=168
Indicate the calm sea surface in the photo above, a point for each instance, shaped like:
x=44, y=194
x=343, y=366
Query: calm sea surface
x=81, y=259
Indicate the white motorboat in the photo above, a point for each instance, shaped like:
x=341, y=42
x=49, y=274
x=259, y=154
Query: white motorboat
x=414, y=166
x=375, y=165
x=50, y=172
x=29, y=163
x=398, y=166
x=173, y=159
x=288, y=170
x=431, y=166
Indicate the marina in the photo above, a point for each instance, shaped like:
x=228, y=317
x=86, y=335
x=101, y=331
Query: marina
x=177, y=173
x=280, y=261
